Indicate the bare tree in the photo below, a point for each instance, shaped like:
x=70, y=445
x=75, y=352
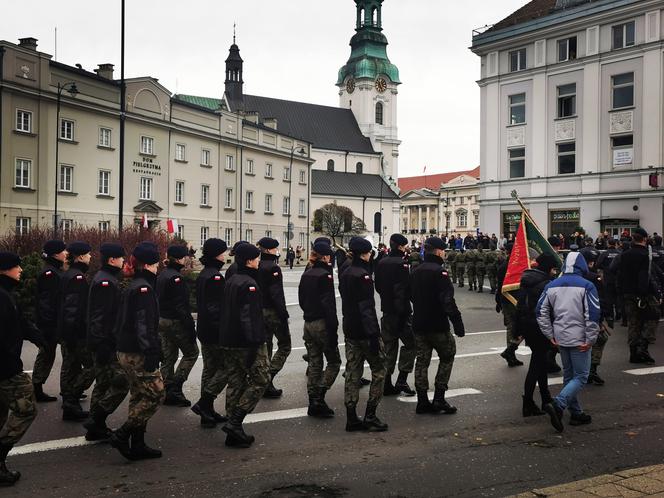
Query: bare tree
x=336, y=221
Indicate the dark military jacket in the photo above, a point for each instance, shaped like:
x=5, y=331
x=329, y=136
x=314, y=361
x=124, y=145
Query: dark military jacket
x=358, y=303
x=242, y=317
x=73, y=306
x=271, y=283
x=316, y=296
x=103, y=309
x=210, y=302
x=173, y=293
x=48, y=292
x=393, y=284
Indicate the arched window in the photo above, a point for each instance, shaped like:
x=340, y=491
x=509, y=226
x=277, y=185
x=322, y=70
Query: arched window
x=330, y=165
x=379, y=113
x=462, y=218
x=374, y=17
x=361, y=18
x=358, y=168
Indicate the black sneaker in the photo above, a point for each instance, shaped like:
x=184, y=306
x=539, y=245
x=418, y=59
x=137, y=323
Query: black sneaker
x=580, y=419
x=555, y=414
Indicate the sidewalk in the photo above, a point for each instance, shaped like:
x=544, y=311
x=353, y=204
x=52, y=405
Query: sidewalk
x=645, y=481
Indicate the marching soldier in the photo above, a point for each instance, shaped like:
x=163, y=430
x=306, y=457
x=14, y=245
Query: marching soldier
x=243, y=339
x=210, y=301
x=461, y=267
x=392, y=283
x=47, y=307
x=433, y=310
x=508, y=310
x=363, y=341
x=139, y=349
x=451, y=263
x=471, y=269
x=176, y=327
x=492, y=268
x=271, y=283
x=77, y=371
x=111, y=385
x=317, y=300
x=232, y=269
x=17, y=400
x=480, y=269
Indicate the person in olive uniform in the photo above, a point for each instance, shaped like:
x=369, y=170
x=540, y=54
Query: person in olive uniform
x=232, y=269
x=317, y=300
x=77, y=371
x=471, y=269
x=176, y=327
x=508, y=310
x=450, y=259
x=491, y=258
x=480, y=269
x=17, y=400
x=393, y=286
x=434, y=308
x=363, y=340
x=139, y=349
x=47, y=308
x=275, y=314
x=210, y=301
x=243, y=338
x=111, y=385
x=461, y=266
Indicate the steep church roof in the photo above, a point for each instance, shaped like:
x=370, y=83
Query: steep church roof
x=339, y=184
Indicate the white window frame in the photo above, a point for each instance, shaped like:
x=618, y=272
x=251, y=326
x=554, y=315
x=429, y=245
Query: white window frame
x=66, y=225
x=565, y=42
x=268, y=170
x=23, y=225
x=180, y=234
x=228, y=236
x=66, y=178
x=287, y=173
x=513, y=103
x=302, y=207
x=104, y=226
x=268, y=203
x=105, y=137
x=268, y=233
x=206, y=157
x=286, y=205
x=462, y=219
x=250, y=166
x=179, y=191
x=23, y=121
x=104, y=180
x=623, y=27
x=303, y=177
x=249, y=235
x=249, y=201
x=230, y=163
x=522, y=62
x=180, y=152
x=619, y=86
x=205, y=235
x=147, y=145
x=24, y=178
x=228, y=198
x=516, y=158
x=302, y=239
x=567, y=153
x=563, y=96
x=67, y=129
x=205, y=195
x=145, y=189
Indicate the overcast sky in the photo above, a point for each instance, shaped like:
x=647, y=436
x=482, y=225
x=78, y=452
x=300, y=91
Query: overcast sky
x=292, y=49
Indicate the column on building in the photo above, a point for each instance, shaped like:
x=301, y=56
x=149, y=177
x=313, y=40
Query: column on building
x=419, y=218
x=428, y=219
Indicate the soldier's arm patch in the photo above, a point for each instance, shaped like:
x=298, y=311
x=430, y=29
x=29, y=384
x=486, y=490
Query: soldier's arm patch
x=252, y=289
x=144, y=290
x=444, y=274
x=48, y=273
x=79, y=277
x=217, y=277
x=276, y=274
x=367, y=277
x=105, y=283
x=176, y=280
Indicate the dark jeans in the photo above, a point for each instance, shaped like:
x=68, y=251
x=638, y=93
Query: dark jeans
x=537, y=373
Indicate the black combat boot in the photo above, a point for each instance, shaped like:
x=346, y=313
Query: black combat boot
x=635, y=355
x=72, y=411
x=371, y=421
x=423, y=403
x=364, y=382
x=480, y=289
x=530, y=409
x=120, y=441
x=175, y=396
x=272, y=392
x=594, y=378
x=7, y=477
x=646, y=355
x=204, y=408
x=580, y=419
x=96, y=426
x=317, y=406
x=509, y=355
x=140, y=450
x=41, y=396
x=236, y=437
x=439, y=403
x=353, y=423
x=492, y=291
x=390, y=389
x=402, y=384
x=460, y=284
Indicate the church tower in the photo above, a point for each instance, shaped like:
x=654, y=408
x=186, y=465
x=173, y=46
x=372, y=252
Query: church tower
x=368, y=84
x=234, y=82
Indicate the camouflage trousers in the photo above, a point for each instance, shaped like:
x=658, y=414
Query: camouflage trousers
x=508, y=321
x=111, y=387
x=461, y=271
x=640, y=332
x=44, y=361
x=453, y=272
x=174, y=338
x=146, y=390
x=317, y=344
x=445, y=346
x=479, y=277
x=493, y=280
x=248, y=372
x=17, y=408
x=275, y=327
x=393, y=328
x=598, y=348
x=77, y=372
x=357, y=352
x=214, y=377
x=472, y=275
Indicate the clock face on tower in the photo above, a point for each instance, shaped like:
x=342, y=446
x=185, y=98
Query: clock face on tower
x=350, y=85
x=381, y=85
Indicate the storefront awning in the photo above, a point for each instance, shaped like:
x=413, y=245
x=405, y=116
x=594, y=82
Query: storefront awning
x=618, y=220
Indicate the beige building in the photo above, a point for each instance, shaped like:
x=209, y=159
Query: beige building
x=217, y=173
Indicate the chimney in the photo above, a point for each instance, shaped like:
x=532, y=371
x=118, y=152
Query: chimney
x=270, y=123
x=105, y=71
x=29, y=43
x=252, y=117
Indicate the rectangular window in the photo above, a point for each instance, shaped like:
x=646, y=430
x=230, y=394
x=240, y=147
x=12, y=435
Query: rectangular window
x=249, y=204
x=303, y=177
x=145, y=193
x=518, y=60
x=206, y=157
x=66, y=179
x=623, y=35
x=567, y=100
x=517, y=163
x=180, y=150
x=67, y=225
x=228, y=236
x=302, y=207
x=205, y=195
x=268, y=203
x=477, y=219
x=286, y=239
x=567, y=49
x=623, y=90
x=105, y=137
x=250, y=166
x=302, y=239
x=179, y=192
x=248, y=235
x=287, y=173
x=286, y=205
x=104, y=185
x=462, y=200
x=462, y=219
x=147, y=146
x=22, y=226
x=180, y=234
x=567, y=158
x=623, y=150
x=517, y=108
x=268, y=233
x=205, y=234
x=230, y=163
x=23, y=167
x=228, y=198
x=23, y=121
x=268, y=170
x=104, y=226
x=66, y=129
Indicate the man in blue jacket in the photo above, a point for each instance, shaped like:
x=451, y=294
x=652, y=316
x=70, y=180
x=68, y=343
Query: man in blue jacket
x=568, y=313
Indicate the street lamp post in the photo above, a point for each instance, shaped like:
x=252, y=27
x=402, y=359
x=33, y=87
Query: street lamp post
x=300, y=151
x=73, y=91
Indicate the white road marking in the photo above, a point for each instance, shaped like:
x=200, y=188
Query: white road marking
x=56, y=444
x=645, y=371
x=452, y=393
x=255, y=418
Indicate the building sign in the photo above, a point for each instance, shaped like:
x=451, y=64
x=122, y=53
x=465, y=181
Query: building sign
x=623, y=157
x=145, y=166
x=565, y=216
x=511, y=222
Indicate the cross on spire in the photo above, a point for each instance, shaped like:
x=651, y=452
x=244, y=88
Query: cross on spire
x=234, y=24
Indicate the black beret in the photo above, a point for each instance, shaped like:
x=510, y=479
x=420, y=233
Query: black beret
x=323, y=248
x=214, y=247
x=109, y=250
x=590, y=254
x=640, y=231
x=177, y=252
x=436, y=243
x=146, y=252
x=546, y=262
x=54, y=247
x=554, y=241
x=323, y=239
x=9, y=260
x=79, y=248
x=358, y=245
x=268, y=243
x=236, y=245
x=398, y=239
x=246, y=252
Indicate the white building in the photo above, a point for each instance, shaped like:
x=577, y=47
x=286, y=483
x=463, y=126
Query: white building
x=572, y=99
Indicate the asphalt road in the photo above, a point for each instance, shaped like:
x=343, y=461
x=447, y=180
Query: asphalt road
x=486, y=449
